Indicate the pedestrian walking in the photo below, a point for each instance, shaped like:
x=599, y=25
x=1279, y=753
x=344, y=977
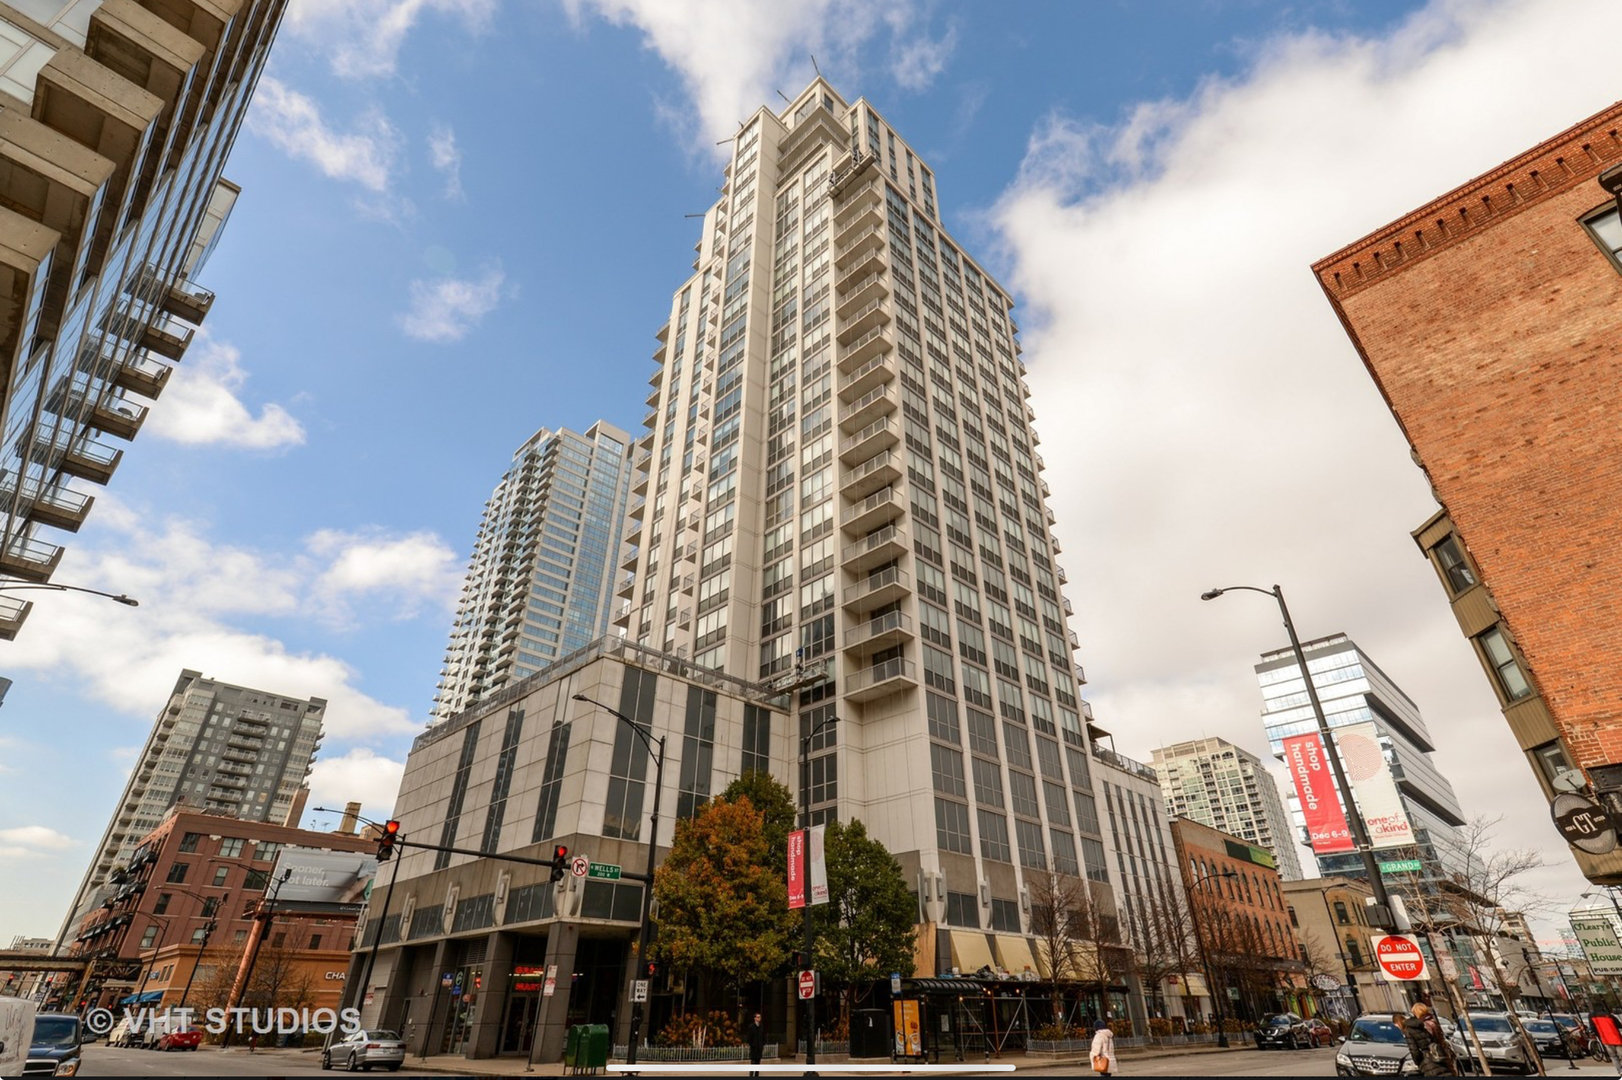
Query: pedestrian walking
x=757, y=1042
x=1103, y=1049
x=1609, y=1036
x=1427, y=1044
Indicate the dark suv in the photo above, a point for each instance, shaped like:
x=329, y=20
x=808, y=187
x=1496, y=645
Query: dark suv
x=1283, y=1030
x=56, y=1046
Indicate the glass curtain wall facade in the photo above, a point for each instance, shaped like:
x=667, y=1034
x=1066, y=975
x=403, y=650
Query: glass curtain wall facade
x=540, y=583
x=121, y=115
x=1353, y=690
x=839, y=491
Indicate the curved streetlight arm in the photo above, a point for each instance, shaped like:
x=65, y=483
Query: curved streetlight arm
x=1214, y=593
x=647, y=740
x=120, y=598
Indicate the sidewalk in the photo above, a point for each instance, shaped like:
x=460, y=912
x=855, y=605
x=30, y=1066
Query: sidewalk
x=451, y=1064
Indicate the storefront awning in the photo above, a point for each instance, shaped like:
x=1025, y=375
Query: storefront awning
x=1015, y=953
x=970, y=952
x=143, y=999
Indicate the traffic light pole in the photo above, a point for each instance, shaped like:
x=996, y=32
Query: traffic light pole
x=377, y=938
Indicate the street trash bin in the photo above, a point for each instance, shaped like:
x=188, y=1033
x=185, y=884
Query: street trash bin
x=572, y=1046
x=597, y=1046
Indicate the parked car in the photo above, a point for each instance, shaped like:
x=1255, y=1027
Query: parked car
x=1322, y=1034
x=176, y=1039
x=1545, y=1036
x=1376, y=1047
x=1498, y=1042
x=364, y=1049
x=1283, y=1030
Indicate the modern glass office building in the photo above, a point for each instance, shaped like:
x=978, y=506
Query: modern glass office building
x=117, y=119
x=541, y=581
x=1354, y=690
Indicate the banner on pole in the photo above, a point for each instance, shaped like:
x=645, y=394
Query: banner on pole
x=1315, y=789
x=819, y=865
x=1374, y=786
x=796, y=869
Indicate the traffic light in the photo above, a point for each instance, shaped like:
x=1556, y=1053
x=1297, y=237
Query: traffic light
x=650, y=970
x=560, y=862
x=385, y=842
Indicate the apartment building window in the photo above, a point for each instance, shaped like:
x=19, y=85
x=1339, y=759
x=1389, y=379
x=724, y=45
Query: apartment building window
x=1507, y=671
x=162, y=905
x=177, y=873
x=952, y=826
x=505, y=764
x=1552, y=760
x=1353, y=953
x=1064, y=853
x=188, y=843
x=757, y=740
x=947, y=766
x=149, y=937
x=698, y=750
x=962, y=909
x=982, y=733
x=994, y=844
x=1455, y=568
x=1342, y=916
x=1032, y=853
x=943, y=722
x=1606, y=230
x=453, y=811
x=221, y=875
x=231, y=847
x=1005, y=916
x=546, y=810
x=622, y=816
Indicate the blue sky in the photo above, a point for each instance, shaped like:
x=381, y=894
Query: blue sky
x=462, y=220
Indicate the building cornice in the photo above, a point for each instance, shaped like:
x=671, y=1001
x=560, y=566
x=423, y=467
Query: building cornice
x=1574, y=157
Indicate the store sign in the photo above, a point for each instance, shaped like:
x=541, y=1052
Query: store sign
x=1315, y=789
x=336, y=976
x=1598, y=940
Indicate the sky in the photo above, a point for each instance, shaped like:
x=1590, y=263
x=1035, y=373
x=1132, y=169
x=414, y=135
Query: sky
x=462, y=221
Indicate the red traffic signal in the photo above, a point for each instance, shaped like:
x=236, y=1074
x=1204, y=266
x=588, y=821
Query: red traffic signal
x=650, y=970
x=385, y=842
x=560, y=862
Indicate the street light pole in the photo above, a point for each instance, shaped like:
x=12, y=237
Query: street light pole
x=645, y=935
x=119, y=598
x=265, y=918
x=1205, y=956
x=1354, y=815
x=377, y=938
x=805, y=880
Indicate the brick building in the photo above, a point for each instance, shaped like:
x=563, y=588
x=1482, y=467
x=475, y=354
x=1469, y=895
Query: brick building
x=193, y=863
x=1236, y=899
x=1489, y=319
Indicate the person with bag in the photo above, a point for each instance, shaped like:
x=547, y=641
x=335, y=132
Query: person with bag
x=1427, y=1043
x=1103, y=1049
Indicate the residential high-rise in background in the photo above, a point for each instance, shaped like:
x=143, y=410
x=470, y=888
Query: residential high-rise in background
x=843, y=494
x=1354, y=691
x=1216, y=783
x=541, y=581
x=215, y=747
x=118, y=118
x=1500, y=301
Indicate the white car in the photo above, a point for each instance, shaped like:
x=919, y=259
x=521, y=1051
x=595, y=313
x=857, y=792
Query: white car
x=364, y=1049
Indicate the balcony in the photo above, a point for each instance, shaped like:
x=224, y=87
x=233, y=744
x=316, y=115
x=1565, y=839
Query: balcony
x=1063, y=577
x=141, y=374
x=858, y=244
x=879, y=435
x=166, y=337
x=878, y=509
x=29, y=559
x=863, y=349
x=858, y=200
x=651, y=420
x=883, y=632
x=862, y=381
x=119, y=417
x=55, y=506
x=1081, y=675
x=880, y=401
x=82, y=458
x=626, y=585
x=877, y=590
x=859, y=218
x=13, y=613
x=886, y=545
x=871, y=475
x=869, y=316
x=881, y=680
x=858, y=292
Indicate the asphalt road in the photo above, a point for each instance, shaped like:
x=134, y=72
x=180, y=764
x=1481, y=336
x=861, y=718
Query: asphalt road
x=205, y=1061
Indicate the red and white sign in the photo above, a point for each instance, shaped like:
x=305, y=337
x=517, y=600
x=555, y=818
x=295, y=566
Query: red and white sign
x=1315, y=788
x=1399, y=957
x=808, y=985
x=796, y=869
x=579, y=865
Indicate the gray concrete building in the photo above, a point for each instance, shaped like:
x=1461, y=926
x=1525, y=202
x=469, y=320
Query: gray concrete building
x=541, y=582
x=116, y=117
x=217, y=747
x=1216, y=783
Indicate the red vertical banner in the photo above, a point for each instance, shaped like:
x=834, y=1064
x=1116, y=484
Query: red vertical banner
x=1315, y=788
x=796, y=869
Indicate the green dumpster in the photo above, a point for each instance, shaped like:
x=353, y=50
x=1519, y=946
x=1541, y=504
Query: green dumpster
x=595, y=1050
x=574, y=1047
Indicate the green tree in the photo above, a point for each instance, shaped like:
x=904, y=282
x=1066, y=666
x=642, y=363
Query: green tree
x=776, y=805
x=723, y=911
x=867, y=928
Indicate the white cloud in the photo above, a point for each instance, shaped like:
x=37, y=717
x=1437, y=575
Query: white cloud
x=447, y=159
x=31, y=841
x=917, y=62
x=200, y=405
x=360, y=775
x=293, y=123
x=363, y=37
x=447, y=309
x=734, y=55
x=191, y=589
x=1207, y=419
